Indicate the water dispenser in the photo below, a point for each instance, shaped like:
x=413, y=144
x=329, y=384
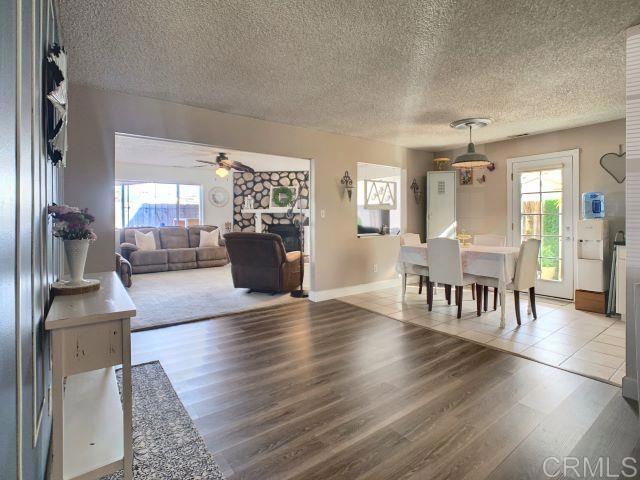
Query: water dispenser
x=593, y=255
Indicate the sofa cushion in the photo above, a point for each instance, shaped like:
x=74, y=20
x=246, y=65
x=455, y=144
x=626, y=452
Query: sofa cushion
x=183, y=266
x=148, y=257
x=209, y=239
x=211, y=253
x=130, y=234
x=181, y=255
x=212, y=263
x=150, y=268
x=174, y=237
x=194, y=234
x=145, y=241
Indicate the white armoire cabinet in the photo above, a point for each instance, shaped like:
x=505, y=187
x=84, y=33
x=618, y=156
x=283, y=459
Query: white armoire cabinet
x=441, y=204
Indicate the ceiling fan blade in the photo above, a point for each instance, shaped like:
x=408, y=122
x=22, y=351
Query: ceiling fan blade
x=207, y=162
x=241, y=167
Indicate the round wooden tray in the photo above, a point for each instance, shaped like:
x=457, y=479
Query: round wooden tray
x=64, y=288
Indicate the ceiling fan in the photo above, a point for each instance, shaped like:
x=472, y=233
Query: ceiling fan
x=225, y=165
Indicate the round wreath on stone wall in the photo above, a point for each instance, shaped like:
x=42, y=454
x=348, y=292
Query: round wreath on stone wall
x=282, y=196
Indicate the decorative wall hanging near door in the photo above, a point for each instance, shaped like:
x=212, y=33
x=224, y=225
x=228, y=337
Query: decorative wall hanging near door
x=380, y=195
x=56, y=104
x=615, y=164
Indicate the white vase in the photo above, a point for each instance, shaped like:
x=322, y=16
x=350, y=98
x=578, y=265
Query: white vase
x=76, y=252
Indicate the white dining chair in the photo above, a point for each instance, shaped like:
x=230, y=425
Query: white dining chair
x=490, y=240
x=411, y=269
x=526, y=275
x=445, y=266
x=523, y=279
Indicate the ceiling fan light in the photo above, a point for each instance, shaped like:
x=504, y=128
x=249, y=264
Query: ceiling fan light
x=222, y=172
x=471, y=159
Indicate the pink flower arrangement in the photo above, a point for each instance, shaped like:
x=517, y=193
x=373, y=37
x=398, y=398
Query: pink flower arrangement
x=71, y=223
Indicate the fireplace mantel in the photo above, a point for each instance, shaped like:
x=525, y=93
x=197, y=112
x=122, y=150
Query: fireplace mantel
x=258, y=212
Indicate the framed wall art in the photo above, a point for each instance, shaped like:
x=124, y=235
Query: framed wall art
x=466, y=176
x=380, y=195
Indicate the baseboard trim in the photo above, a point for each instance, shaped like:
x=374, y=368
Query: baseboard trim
x=322, y=295
x=630, y=388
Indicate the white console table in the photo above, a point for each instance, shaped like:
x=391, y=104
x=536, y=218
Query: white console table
x=258, y=212
x=92, y=428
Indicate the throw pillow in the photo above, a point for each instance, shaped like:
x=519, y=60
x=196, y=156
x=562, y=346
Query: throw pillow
x=209, y=239
x=145, y=241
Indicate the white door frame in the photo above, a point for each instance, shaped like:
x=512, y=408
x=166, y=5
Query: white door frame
x=575, y=181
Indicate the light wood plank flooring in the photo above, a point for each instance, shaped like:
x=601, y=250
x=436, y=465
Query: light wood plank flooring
x=329, y=390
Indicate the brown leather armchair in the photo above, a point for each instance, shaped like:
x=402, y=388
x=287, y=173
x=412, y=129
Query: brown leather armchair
x=259, y=262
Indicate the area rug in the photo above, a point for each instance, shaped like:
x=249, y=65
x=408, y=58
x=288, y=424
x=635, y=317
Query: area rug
x=171, y=298
x=166, y=444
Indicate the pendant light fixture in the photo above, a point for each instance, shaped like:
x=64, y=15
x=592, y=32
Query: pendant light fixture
x=471, y=159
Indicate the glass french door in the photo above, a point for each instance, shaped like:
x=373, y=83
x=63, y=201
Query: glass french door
x=542, y=208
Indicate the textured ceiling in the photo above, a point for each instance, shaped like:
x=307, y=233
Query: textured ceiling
x=396, y=71
x=169, y=153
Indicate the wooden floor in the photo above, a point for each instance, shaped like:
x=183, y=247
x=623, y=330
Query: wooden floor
x=328, y=390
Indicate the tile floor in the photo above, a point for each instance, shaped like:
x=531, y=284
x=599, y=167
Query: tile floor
x=581, y=342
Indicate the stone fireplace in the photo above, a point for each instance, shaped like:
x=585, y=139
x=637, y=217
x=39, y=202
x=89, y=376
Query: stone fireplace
x=289, y=234
x=258, y=186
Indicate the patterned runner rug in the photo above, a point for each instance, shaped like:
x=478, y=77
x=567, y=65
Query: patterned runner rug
x=166, y=444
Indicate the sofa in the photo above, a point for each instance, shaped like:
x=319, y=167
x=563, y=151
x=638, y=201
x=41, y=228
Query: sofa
x=123, y=270
x=259, y=262
x=177, y=248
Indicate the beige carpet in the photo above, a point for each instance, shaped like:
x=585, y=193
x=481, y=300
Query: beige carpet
x=167, y=298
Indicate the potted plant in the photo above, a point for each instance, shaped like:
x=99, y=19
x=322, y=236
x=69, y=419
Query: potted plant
x=71, y=224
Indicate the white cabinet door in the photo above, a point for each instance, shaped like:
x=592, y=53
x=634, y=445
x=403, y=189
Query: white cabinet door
x=441, y=204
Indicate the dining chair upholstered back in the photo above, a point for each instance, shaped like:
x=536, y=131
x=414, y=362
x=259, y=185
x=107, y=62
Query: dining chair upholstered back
x=445, y=262
x=490, y=240
x=527, y=266
x=410, y=239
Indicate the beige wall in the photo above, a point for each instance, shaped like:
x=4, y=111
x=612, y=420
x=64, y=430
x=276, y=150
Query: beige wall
x=482, y=208
x=341, y=258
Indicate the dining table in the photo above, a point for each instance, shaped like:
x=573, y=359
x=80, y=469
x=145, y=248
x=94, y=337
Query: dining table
x=497, y=263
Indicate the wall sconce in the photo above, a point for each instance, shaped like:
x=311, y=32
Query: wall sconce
x=415, y=188
x=347, y=183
